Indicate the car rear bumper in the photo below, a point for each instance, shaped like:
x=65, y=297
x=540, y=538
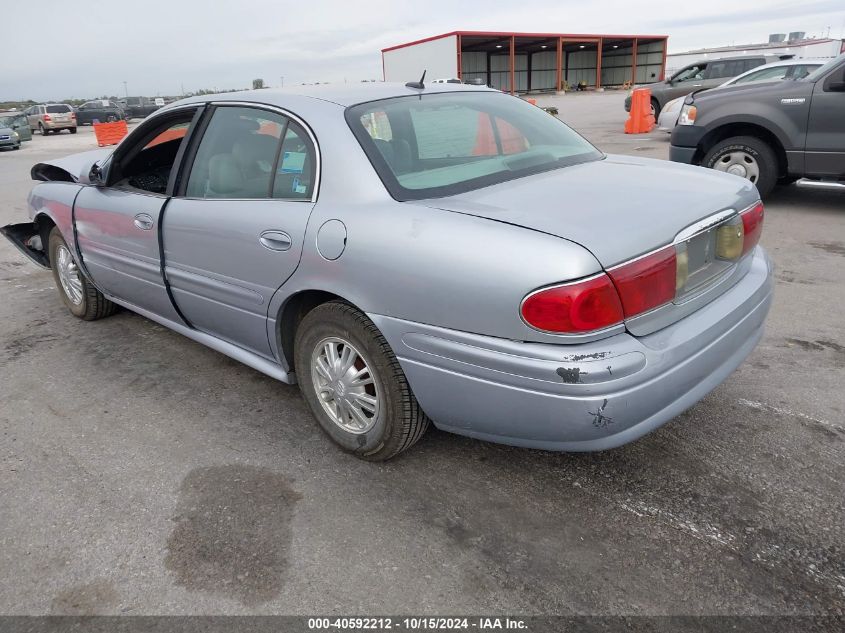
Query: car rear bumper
x=586, y=397
x=58, y=125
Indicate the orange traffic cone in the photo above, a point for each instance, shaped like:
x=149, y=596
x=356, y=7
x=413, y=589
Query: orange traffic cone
x=110, y=133
x=641, y=120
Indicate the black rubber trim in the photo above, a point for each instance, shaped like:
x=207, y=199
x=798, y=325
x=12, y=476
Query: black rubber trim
x=162, y=263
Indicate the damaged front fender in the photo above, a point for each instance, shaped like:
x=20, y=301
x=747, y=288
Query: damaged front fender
x=74, y=168
x=28, y=239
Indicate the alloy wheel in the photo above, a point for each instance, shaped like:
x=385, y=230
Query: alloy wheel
x=69, y=275
x=345, y=385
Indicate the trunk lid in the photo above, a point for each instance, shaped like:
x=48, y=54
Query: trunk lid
x=617, y=208
x=621, y=208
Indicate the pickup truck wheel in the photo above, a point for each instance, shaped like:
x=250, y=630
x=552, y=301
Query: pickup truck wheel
x=354, y=385
x=78, y=294
x=748, y=157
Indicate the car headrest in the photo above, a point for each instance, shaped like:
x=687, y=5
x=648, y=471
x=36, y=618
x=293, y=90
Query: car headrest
x=224, y=174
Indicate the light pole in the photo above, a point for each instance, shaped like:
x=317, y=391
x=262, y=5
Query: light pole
x=125, y=90
x=282, y=79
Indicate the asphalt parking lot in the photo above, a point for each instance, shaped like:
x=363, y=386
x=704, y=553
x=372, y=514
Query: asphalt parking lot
x=141, y=473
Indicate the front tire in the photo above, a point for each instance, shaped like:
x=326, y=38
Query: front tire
x=748, y=157
x=354, y=385
x=655, y=108
x=78, y=294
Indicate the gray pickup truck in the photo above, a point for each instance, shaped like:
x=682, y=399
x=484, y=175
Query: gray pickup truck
x=771, y=134
x=139, y=107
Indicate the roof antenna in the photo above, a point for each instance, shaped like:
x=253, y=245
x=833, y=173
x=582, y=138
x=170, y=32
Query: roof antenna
x=419, y=85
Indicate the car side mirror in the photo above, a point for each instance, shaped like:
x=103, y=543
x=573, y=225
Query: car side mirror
x=96, y=176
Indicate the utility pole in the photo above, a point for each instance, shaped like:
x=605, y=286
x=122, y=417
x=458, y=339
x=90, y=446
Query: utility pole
x=125, y=89
x=282, y=80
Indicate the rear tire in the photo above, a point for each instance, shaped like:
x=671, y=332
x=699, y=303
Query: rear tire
x=43, y=130
x=73, y=130
x=82, y=299
x=745, y=156
x=333, y=383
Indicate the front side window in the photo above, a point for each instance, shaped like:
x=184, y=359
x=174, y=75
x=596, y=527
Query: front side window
x=252, y=153
x=149, y=164
x=693, y=72
x=449, y=143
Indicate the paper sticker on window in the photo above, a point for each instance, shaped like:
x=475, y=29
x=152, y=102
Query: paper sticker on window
x=292, y=163
x=298, y=187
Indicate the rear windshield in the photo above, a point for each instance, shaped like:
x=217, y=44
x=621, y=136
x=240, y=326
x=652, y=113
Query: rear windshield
x=434, y=145
x=58, y=109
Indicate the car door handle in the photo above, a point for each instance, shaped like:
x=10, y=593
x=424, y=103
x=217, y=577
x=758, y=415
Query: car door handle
x=143, y=221
x=275, y=240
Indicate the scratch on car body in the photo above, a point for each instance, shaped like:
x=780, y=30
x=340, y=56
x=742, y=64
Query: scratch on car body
x=600, y=420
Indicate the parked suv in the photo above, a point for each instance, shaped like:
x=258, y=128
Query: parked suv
x=51, y=117
x=101, y=111
x=700, y=76
x=772, y=133
x=139, y=107
x=18, y=123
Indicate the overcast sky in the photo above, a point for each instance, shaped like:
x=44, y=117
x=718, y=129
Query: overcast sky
x=84, y=49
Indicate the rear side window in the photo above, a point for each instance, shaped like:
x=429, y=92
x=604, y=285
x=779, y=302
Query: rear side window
x=252, y=153
x=294, y=178
x=748, y=64
x=58, y=109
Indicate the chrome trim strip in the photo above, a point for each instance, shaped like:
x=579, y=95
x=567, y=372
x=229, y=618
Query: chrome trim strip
x=703, y=225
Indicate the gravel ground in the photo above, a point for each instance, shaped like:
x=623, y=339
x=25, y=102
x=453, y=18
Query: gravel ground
x=142, y=473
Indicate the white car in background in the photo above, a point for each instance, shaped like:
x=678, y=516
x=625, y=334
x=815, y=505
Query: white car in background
x=776, y=71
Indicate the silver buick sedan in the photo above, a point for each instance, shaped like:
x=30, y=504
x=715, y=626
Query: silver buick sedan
x=411, y=254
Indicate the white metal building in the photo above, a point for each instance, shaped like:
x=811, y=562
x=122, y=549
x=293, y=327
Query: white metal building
x=529, y=62
x=800, y=47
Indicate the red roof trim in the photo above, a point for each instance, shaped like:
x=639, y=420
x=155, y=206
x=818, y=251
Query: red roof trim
x=505, y=34
x=422, y=41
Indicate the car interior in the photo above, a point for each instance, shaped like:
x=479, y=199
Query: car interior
x=149, y=168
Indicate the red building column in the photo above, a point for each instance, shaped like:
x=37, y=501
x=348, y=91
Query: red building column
x=559, y=63
x=512, y=61
x=634, y=64
x=600, y=45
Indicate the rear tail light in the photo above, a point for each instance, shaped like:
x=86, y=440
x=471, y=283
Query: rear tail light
x=648, y=282
x=47, y=117
x=582, y=306
x=73, y=115
x=752, y=224
x=634, y=287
